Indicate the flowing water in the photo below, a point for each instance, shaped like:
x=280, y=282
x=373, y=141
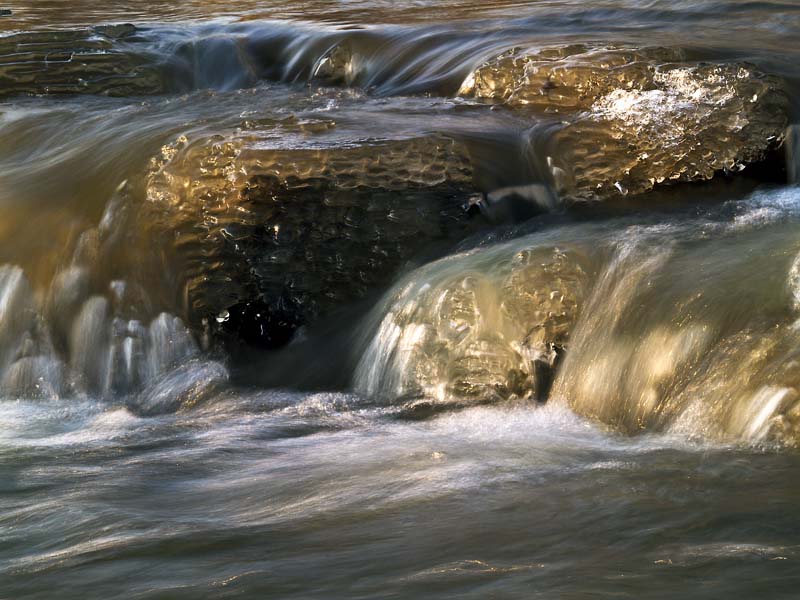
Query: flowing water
x=326, y=298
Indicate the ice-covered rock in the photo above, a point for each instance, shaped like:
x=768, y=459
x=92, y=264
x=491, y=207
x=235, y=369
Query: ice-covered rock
x=470, y=330
x=267, y=239
x=630, y=119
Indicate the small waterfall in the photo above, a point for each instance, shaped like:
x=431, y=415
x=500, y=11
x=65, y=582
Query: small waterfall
x=105, y=353
x=686, y=327
x=88, y=332
x=698, y=334
x=477, y=327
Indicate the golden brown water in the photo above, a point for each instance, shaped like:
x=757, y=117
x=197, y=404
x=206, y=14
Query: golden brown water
x=399, y=299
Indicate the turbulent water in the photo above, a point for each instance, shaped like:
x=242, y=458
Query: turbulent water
x=368, y=299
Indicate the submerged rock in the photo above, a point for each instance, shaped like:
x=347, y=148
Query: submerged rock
x=338, y=66
x=97, y=60
x=564, y=79
x=182, y=388
x=631, y=119
x=263, y=240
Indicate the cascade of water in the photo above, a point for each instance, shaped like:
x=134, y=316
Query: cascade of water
x=687, y=327
x=84, y=334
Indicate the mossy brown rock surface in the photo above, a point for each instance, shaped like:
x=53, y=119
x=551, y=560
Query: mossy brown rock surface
x=629, y=119
x=282, y=236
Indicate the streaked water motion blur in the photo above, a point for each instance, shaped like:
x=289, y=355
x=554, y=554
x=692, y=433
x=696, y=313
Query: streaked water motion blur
x=324, y=298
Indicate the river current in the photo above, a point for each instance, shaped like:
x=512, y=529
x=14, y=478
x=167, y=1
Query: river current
x=366, y=299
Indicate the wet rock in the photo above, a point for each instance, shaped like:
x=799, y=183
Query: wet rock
x=183, y=388
x=627, y=120
x=263, y=240
x=338, y=66
x=460, y=334
x=97, y=60
x=129, y=300
x=564, y=79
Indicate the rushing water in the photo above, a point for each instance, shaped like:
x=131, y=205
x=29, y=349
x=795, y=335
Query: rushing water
x=324, y=299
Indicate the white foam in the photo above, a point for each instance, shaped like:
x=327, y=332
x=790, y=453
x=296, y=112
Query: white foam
x=65, y=422
x=765, y=208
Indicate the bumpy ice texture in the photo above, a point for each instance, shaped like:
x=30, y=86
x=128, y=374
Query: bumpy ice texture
x=295, y=233
x=631, y=119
